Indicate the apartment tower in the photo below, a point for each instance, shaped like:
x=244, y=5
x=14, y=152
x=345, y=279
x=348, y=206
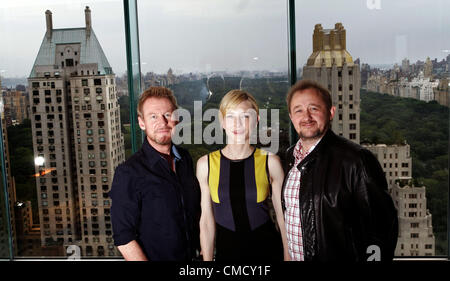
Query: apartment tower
x=75, y=118
x=415, y=236
x=332, y=66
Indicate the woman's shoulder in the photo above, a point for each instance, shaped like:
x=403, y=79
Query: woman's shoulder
x=203, y=160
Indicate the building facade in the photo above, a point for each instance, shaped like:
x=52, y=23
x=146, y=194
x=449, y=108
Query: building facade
x=415, y=236
x=16, y=103
x=442, y=92
x=4, y=219
x=419, y=87
x=11, y=188
x=395, y=160
x=332, y=66
x=75, y=118
x=428, y=68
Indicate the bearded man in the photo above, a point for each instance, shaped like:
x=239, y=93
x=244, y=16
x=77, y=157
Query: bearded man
x=335, y=198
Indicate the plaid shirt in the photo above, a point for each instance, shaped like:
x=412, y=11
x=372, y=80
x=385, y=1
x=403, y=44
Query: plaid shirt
x=291, y=197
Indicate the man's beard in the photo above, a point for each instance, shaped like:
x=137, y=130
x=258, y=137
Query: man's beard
x=316, y=134
x=161, y=140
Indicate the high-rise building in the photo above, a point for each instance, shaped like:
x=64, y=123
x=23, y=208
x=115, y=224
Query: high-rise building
x=77, y=138
x=448, y=64
x=16, y=103
x=395, y=160
x=405, y=65
x=29, y=235
x=4, y=236
x=442, y=92
x=332, y=66
x=428, y=68
x=415, y=236
x=365, y=73
x=11, y=188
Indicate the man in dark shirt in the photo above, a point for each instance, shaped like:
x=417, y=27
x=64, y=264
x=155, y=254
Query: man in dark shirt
x=155, y=195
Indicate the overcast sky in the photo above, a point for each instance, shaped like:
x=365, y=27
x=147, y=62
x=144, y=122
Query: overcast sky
x=207, y=35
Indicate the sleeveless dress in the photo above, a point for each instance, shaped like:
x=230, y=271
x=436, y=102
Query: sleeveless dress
x=239, y=191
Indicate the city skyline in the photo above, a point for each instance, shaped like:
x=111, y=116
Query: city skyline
x=240, y=35
x=71, y=69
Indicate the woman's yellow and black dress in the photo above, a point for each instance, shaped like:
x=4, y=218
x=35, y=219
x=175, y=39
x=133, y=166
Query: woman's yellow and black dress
x=239, y=192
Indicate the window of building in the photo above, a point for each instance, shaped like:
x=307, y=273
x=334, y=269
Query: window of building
x=97, y=82
x=69, y=62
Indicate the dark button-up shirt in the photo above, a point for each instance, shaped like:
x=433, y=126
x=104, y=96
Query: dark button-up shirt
x=155, y=206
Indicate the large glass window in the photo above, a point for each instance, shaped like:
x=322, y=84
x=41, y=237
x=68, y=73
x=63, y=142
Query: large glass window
x=204, y=49
x=387, y=66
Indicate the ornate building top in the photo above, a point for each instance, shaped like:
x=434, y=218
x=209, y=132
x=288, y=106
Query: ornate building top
x=329, y=47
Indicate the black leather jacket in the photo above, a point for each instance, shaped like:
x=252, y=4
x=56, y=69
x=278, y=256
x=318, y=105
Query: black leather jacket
x=344, y=203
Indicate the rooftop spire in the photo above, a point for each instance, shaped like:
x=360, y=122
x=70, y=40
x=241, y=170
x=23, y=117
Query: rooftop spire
x=87, y=15
x=48, y=19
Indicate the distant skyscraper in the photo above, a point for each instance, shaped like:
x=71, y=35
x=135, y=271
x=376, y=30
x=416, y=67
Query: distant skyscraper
x=16, y=103
x=428, y=68
x=76, y=129
x=332, y=66
x=4, y=237
x=448, y=63
x=415, y=236
x=405, y=65
x=11, y=188
x=442, y=92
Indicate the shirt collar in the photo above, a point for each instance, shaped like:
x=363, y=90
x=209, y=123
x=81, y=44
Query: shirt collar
x=299, y=154
x=175, y=152
x=153, y=155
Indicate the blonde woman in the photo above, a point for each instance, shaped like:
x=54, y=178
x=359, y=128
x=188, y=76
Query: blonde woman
x=236, y=183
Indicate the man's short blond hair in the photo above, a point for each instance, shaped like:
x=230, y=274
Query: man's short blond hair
x=156, y=92
x=233, y=98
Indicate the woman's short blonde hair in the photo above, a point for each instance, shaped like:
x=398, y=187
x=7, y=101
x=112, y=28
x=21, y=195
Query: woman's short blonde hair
x=233, y=98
